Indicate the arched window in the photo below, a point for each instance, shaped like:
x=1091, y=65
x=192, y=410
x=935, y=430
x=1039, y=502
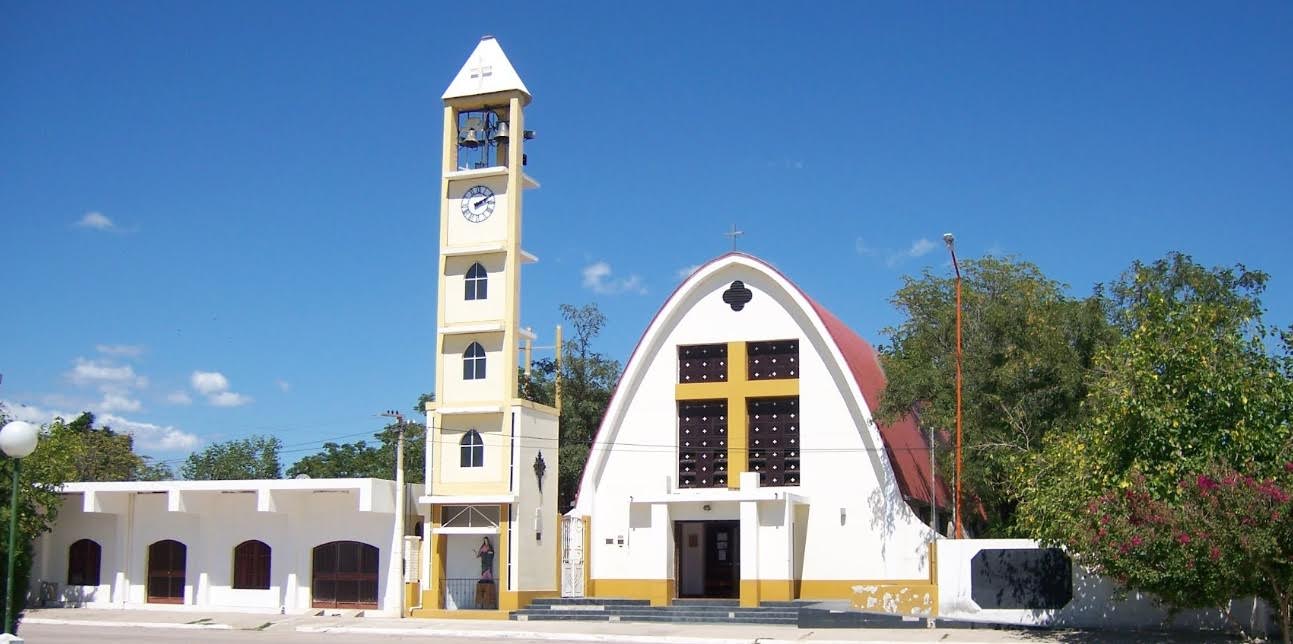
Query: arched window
x=473, y=362
x=251, y=565
x=83, y=560
x=472, y=450
x=477, y=282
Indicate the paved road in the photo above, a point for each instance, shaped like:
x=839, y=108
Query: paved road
x=76, y=634
x=64, y=634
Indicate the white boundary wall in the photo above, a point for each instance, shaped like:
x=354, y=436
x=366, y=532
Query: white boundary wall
x=1096, y=603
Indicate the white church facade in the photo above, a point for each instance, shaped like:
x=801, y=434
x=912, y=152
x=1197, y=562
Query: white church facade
x=740, y=457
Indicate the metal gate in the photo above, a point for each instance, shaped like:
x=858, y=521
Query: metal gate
x=572, y=556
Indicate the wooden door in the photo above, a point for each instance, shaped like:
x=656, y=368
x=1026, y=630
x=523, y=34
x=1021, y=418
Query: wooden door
x=166, y=572
x=344, y=575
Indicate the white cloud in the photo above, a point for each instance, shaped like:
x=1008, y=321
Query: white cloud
x=147, y=435
x=283, y=385
x=96, y=220
x=31, y=414
x=209, y=382
x=120, y=350
x=920, y=247
x=598, y=277
x=105, y=375
x=215, y=387
x=117, y=402
x=150, y=436
x=686, y=271
x=228, y=399
x=179, y=398
x=893, y=258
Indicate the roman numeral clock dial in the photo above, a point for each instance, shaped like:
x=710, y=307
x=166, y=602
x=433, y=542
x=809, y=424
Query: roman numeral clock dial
x=478, y=203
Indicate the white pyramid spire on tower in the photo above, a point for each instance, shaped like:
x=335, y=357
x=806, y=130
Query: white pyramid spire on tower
x=487, y=70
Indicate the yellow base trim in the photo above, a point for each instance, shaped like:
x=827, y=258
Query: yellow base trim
x=660, y=592
x=843, y=588
x=910, y=600
x=774, y=590
x=440, y=613
x=411, y=592
x=749, y=593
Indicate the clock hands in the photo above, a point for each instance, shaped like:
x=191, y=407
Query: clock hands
x=476, y=204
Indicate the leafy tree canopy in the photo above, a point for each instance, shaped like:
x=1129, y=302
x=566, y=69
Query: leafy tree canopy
x=1195, y=386
x=588, y=379
x=1027, y=349
x=362, y=460
x=255, y=457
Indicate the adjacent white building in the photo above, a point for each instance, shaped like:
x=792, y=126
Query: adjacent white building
x=255, y=545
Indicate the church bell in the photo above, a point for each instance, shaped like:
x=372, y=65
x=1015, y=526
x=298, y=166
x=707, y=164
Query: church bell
x=500, y=132
x=471, y=135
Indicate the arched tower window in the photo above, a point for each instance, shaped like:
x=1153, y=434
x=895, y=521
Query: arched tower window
x=477, y=282
x=473, y=362
x=472, y=450
x=251, y=565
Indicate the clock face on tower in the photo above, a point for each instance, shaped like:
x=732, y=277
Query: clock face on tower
x=478, y=203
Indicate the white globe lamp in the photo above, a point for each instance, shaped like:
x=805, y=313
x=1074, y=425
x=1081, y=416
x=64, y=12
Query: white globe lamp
x=17, y=440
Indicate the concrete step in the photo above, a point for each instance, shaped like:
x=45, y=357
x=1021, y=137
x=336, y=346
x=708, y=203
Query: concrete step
x=656, y=617
x=576, y=601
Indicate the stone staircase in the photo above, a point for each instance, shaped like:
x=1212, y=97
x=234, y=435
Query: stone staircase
x=698, y=611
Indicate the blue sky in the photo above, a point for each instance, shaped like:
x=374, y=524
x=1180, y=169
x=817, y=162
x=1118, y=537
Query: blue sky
x=219, y=218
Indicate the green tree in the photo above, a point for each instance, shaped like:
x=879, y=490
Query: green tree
x=588, y=379
x=42, y=474
x=101, y=454
x=1196, y=385
x=362, y=460
x=255, y=457
x=1027, y=349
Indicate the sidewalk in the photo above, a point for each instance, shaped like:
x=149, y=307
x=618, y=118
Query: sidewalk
x=640, y=632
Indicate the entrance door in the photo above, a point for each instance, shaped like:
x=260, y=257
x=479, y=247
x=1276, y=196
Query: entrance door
x=166, y=572
x=708, y=558
x=344, y=575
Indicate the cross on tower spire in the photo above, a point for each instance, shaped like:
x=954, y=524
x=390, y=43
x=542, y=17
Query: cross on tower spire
x=733, y=234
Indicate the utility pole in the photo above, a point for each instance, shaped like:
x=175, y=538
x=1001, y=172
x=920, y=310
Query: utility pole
x=399, y=496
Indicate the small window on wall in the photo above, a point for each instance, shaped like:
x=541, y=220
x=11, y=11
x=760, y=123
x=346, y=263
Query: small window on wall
x=473, y=362
x=773, y=360
x=477, y=282
x=251, y=565
x=702, y=363
x=472, y=450
x=83, y=560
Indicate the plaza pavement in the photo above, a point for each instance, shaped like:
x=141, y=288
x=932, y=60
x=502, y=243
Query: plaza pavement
x=347, y=627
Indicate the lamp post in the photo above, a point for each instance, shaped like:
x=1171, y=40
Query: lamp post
x=17, y=440
x=956, y=509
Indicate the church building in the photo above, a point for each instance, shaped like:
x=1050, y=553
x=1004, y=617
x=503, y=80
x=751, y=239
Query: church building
x=740, y=457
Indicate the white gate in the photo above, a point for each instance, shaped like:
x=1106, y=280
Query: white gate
x=572, y=556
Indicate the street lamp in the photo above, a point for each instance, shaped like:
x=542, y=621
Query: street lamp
x=17, y=440
x=956, y=509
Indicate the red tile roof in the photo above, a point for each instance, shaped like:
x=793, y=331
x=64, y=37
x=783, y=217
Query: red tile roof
x=907, y=447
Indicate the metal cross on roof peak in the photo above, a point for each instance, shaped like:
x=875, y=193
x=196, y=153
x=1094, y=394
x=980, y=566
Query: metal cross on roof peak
x=733, y=234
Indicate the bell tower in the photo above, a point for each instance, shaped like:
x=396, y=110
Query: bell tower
x=488, y=450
